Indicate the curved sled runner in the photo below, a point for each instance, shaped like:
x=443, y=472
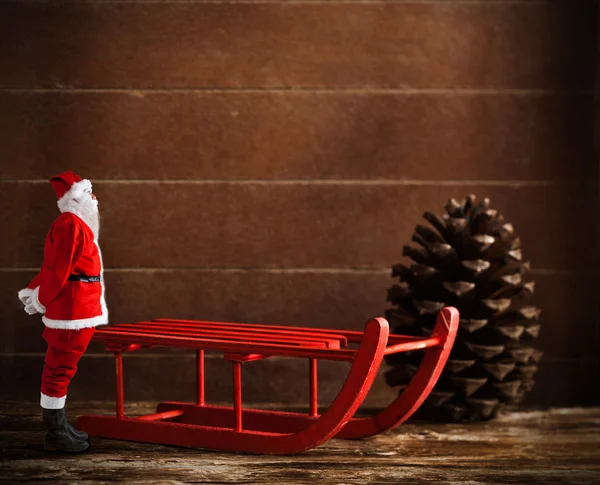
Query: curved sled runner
x=234, y=428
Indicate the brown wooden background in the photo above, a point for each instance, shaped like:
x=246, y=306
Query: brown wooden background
x=266, y=161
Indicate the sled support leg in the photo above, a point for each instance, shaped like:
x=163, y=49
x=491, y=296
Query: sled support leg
x=200, y=377
x=237, y=394
x=314, y=407
x=120, y=400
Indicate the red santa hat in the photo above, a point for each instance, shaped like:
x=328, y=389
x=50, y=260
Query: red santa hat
x=68, y=185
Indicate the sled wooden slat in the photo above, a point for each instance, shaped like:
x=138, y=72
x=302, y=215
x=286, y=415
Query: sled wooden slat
x=235, y=428
x=232, y=335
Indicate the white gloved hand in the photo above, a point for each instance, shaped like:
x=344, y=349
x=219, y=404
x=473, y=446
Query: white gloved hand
x=30, y=309
x=29, y=298
x=25, y=299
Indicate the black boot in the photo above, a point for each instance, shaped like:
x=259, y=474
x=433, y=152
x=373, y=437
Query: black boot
x=58, y=437
x=75, y=433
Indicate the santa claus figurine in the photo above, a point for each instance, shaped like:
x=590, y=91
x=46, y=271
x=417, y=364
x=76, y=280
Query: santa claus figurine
x=69, y=293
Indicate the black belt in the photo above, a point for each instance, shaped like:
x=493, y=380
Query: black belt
x=85, y=279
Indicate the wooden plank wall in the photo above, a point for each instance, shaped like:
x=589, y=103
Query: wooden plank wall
x=265, y=161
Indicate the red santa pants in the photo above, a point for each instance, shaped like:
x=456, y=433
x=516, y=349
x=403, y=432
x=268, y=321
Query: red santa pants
x=65, y=348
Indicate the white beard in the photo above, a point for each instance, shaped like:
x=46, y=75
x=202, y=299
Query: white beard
x=85, y=208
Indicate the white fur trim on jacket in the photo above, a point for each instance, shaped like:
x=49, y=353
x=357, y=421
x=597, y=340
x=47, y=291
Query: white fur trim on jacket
x=76, y=324
x=48, y=402
x=102, y=299
x=35, y=300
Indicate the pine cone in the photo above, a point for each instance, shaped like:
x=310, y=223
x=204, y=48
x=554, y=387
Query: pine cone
x=471, y=259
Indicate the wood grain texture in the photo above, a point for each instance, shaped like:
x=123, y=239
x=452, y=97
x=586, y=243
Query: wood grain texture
x=291, y=225
x=558, y=446
x=186, y=45
x=297, y=135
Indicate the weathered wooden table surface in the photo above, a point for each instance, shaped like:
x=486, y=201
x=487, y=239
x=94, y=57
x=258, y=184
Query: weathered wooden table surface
x=537, y=447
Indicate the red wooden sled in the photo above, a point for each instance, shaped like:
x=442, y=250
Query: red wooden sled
x=234, y=428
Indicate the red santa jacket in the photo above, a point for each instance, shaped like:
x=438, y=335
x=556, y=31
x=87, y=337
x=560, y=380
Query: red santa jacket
x=70, y=249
